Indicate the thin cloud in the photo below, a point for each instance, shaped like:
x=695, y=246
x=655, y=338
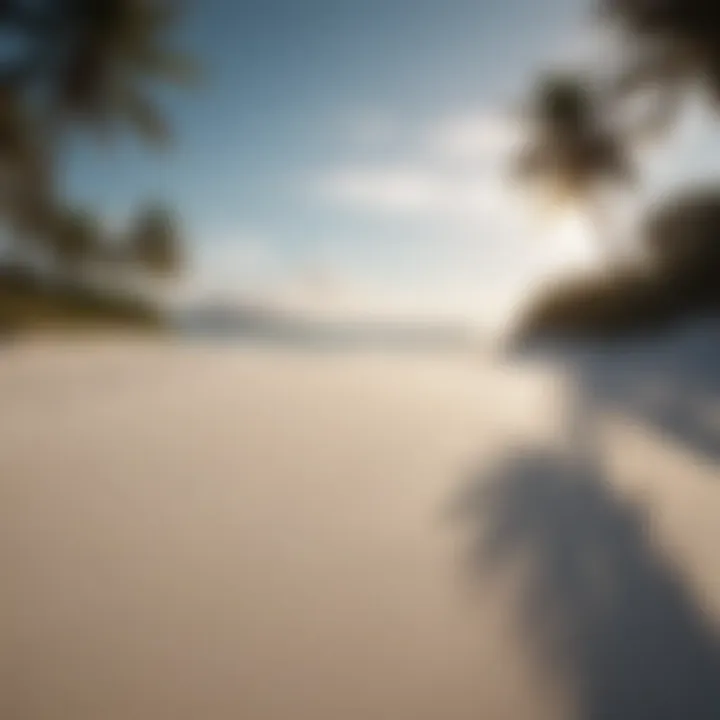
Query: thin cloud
x=484, y=137
x=414, y=191
x=452, y=169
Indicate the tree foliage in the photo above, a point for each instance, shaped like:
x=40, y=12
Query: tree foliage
x=154, y=241
x=77, y=65
x=90, y=61
x=581, y=137
x=571, y=148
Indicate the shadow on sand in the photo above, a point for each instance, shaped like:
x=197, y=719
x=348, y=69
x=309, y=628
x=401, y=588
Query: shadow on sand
x=599, y=602
x=670, y=385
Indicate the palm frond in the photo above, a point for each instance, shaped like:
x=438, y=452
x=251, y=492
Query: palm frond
x=142, y=115
x=167, y=65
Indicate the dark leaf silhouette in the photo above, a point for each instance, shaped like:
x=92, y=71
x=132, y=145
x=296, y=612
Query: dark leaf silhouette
x=154, y=242
x=674, y=46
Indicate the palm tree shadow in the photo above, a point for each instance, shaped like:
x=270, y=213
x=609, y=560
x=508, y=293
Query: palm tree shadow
x=674, y=393
x=599, y=602
x=670, y=385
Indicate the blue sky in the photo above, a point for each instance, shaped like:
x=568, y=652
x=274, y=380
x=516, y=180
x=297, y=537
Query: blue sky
x=348, y=152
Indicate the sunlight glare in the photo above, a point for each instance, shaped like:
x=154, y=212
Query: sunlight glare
x=573, y=242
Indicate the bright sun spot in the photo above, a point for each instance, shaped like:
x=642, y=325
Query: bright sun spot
x=573, y=241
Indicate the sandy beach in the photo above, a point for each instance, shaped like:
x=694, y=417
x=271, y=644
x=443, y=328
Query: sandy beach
x=265, y=534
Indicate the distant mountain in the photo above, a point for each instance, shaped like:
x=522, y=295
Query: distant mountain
x=260, y=323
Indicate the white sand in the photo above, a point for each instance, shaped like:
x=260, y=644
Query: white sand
x=209, y=533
